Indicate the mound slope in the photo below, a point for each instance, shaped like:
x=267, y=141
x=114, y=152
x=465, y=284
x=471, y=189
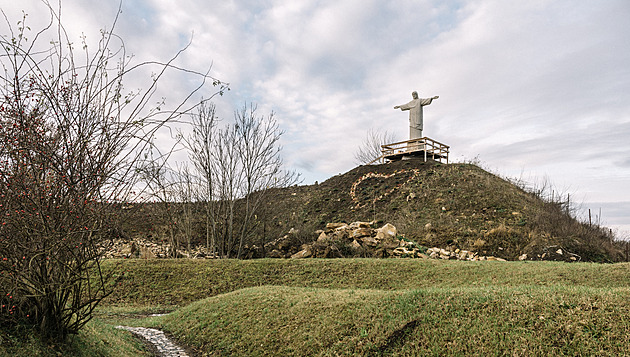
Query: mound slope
x=279, y=320
x=455, y=206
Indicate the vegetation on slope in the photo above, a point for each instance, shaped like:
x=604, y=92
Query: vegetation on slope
x=456, y=205
x=94, y=340
x=359, y=306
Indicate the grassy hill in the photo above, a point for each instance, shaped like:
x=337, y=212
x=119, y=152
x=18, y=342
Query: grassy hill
x=381, y=306
x=273, y=320
x=456, y=205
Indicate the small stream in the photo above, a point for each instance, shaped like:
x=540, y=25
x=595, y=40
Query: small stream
x=164, y=346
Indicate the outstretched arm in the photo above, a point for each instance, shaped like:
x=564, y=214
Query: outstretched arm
x=406, y=106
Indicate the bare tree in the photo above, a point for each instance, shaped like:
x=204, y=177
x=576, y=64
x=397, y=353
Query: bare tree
x=161, y=182
x=70, y=140
x=186, y=191
x=370, y=150
x=228, y=178
x=237, y=164
x=200, y=144
x=259, y=154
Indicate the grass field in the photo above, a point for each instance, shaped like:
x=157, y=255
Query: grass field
x=368, y=307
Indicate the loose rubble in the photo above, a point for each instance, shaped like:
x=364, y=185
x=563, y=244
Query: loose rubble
x=440, y=253
x=357, y=239
x=337, y=240
x=144, y=249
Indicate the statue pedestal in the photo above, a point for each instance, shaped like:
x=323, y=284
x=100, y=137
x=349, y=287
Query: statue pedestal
x=424, y=148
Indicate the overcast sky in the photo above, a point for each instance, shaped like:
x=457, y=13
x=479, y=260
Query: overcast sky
x=537, y=89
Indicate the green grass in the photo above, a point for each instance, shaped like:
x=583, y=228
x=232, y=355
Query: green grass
x=181, y=282
x=384, y=307
x=96, y=339
x=360, y=307
x=521, y=321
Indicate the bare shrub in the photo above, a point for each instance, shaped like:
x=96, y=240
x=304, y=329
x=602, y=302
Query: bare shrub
x=370, y=150
x=70, y=139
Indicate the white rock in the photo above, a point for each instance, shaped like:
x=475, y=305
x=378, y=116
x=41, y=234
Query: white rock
x=361, y=232
x=388, y=231
x=304, y=253
x=332, y=226
x=400, y=251
x=354, y=225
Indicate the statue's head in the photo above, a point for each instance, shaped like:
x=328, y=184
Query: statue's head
x=414, y=94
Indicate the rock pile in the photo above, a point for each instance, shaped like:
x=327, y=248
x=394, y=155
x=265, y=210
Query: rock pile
x=337, y=240
x=360, y=239
x=282, y=247
x=144, y=249
x=441, y=253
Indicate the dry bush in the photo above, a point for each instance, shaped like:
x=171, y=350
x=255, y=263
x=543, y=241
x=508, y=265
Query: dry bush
x=70, y=138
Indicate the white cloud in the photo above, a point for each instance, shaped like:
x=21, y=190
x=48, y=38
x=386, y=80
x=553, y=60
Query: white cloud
x=539, y=86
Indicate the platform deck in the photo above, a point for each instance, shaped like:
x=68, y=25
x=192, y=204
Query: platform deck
x=425, y=148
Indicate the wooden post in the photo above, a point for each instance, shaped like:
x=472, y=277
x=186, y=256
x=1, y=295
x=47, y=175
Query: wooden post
x=425, y=151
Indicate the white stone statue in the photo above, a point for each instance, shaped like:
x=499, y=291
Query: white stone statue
x=415, y=114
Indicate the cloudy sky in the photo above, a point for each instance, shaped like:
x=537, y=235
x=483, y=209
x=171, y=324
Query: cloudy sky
x=537, y=90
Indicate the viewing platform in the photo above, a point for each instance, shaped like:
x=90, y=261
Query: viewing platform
x=425, y=148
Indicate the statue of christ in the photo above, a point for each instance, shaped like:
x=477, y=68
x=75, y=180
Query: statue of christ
x=415, y=114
